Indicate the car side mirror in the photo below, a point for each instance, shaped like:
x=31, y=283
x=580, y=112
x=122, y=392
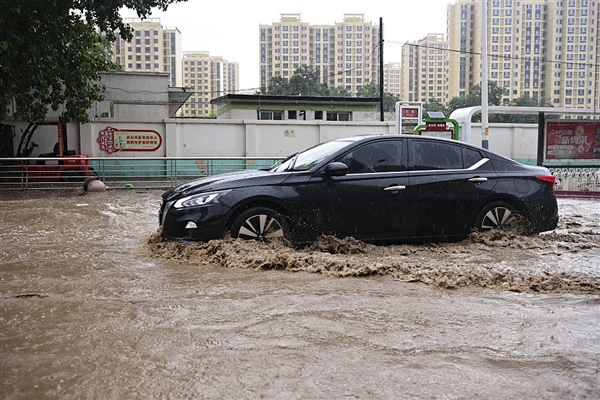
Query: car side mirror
x=335, y=169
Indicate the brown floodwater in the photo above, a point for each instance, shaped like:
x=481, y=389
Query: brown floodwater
x=94, y=306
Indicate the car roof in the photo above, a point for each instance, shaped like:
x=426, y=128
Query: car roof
x=373, y=136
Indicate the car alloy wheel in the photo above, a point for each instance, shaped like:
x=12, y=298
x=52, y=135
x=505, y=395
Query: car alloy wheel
x=260, y=223
x=497, y=215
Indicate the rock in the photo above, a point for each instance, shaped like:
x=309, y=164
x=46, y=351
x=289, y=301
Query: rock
x=94, y=185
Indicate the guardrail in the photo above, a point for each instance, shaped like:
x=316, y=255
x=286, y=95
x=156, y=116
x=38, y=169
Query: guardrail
x=584, y=180
x=166, y=172
x=118, y=172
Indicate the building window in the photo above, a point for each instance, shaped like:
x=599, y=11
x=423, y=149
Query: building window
x=337, y=116
x=271, y=115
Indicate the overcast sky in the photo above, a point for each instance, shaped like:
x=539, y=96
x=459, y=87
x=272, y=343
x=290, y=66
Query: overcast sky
x=230, y=28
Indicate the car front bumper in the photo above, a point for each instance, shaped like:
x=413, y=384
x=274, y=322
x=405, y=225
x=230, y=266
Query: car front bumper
x=192, y=224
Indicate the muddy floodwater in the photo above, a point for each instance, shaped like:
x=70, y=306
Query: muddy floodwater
x=93, y=306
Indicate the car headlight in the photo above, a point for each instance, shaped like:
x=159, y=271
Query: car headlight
x=196, y=200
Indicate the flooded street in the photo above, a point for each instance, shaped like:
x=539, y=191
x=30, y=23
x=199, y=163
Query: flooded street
x=92, y=306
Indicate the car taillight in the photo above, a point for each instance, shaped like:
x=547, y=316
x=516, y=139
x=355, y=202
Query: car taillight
x=548, y=178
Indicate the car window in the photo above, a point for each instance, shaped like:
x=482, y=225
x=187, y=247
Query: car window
x=430, y=155
x=382, y=156
x=472, y=157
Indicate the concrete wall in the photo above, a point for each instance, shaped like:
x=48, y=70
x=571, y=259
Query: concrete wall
x=133, y=96
x=252, y=138
x=517, y=141
x=230, y=138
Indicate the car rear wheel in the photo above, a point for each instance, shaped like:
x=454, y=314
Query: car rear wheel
x=260, y=223
x=499, y=215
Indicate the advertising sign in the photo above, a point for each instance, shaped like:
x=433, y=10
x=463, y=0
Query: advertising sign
x=572, y=140
x=112, y=140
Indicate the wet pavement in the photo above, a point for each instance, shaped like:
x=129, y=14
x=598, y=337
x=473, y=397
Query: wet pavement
x=92, y=306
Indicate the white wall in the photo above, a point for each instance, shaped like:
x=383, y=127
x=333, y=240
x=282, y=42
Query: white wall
x=517, y=141
x=132, y=96
x=230, y=138
x=252, y=138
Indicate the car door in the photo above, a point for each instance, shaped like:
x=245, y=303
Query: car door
x=448, y=183
x=368, y=202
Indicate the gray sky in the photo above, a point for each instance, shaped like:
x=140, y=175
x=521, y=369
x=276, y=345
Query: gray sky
x=207, y=29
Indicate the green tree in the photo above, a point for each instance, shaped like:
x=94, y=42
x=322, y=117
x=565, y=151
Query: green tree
x=339, y=91
x=278, y=86
x=372, y=90
x=369, y=90
x=389, y=102
x=434, y=105
x=495, y=93
x=305, y=82
x=523, y=101
x=51, y=52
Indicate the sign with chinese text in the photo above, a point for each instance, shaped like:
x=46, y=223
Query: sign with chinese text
x=436, y=126
x=572, y=140
x=112, y=140
x=410, y=112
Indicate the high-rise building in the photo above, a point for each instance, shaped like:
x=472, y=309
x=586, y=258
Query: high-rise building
x=392, y=78
x=153, y=48
x=345, y=54
x=208, y=77
x=546, y=50
x=424, y=69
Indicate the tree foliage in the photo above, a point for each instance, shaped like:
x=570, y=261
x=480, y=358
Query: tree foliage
x=474, y=98
x=523, y=101
x=305, y=82
x=51, y=53
x=372, y=90
x=495, y=93
x=434, y=105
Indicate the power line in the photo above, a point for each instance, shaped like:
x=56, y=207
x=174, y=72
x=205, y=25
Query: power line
x=542, y=59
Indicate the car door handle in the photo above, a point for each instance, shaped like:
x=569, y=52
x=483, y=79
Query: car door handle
x=394, y=188
x=478, y=180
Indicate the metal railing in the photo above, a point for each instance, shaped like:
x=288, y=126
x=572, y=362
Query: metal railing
x=166, y=172
x=119, y=172
x=577, y=179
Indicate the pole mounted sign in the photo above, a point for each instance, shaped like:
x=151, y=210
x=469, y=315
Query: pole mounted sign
x=112, y=140
x=408, y=115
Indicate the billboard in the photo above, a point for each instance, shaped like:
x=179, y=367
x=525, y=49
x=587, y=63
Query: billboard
x=573, y=140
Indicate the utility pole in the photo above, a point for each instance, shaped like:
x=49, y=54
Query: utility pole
x=381, y=68
x=484, y=77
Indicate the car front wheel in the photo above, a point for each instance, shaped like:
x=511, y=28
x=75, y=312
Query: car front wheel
x=499, y=215
x=260, y=223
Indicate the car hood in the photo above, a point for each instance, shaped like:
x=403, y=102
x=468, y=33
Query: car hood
x=225, y=181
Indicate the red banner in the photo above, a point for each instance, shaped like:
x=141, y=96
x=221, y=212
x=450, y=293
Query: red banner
x=573, y=140
x=112, y=140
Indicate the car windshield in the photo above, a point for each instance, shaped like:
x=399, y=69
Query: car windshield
x=308, y=158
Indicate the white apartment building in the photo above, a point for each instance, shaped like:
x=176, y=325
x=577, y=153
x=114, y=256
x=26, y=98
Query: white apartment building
x=424, y=72
x=543, y=49
x=153, y=48
x=208, y=78
x=392, y=78
x=345, y=54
